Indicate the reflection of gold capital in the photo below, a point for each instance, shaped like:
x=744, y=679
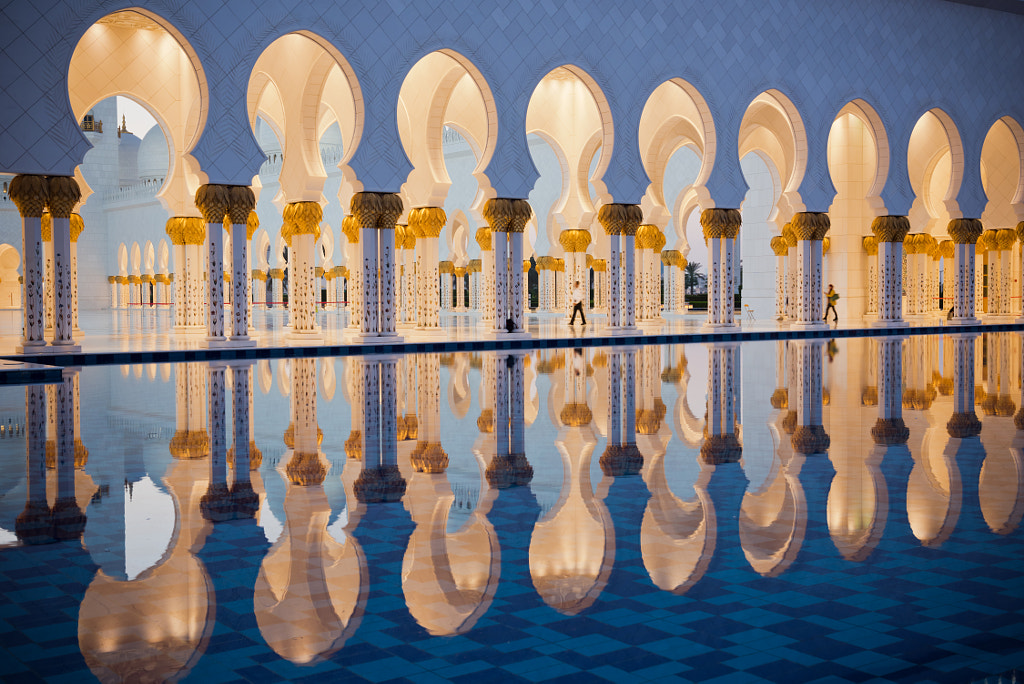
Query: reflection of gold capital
x=780, y=398
x=306, y=469
x=485, y=423
x=382, y=484
x=963, y=424
x=621, y=460
x=720, y=223
x=189, y=444
x=429, y=457
x=890, y=431
x=513, y=470
x=719, y=449
x=810, y=439
x=576, y=415
x=354, y=445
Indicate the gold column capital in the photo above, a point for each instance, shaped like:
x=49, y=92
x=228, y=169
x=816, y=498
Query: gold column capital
x=427, y=222
x=46, y=226
x=810, y=225
x=991, y=239
x=378, y=210
x=574, y=240
x=620, y=219
x=890, y=228
x=720, y=223
x=350, y=229
x=302, y=218
x=29, y=193
x=779, y=246
x=483, y=238
x=1005, y=239
x=213, y=201
x=63, y=194
x=77, y=226
x=1020, y=231
x=965, y=231
x=507, y=215
x=789, y=234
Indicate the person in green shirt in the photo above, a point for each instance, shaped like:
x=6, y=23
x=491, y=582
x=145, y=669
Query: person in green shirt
x=832, y=297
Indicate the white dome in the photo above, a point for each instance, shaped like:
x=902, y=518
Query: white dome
x=128, y=159
x=153, y=155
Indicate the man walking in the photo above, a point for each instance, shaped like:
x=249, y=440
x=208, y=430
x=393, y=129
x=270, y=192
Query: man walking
x=577, y=307
x=831, y=297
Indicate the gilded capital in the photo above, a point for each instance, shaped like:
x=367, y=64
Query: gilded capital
x=446, y=268
x=507, y=215
x=46, y=226
x=29, y=194
x=779, y=246
x=427, y=222
x=1020, y=231
x=789, y=235
x=252, y=224
x=946, y=249
x=378, y=210
x=77, y=226
x=870, y=243
x=574, y=240
x=965, y=231
x=303, y=218
x=194, y=230
x=810, y=225
x=483, y=238
x=241, y=202
x=213, y=201
x=63, y=194
x=990, y=239
x=720, y=223
x=350, y=228
x=890, y=228
x=1005, y=239
x=620, y=219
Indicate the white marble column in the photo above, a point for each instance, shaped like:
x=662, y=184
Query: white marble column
x=63, y=196
x=212, y=201
x=376, y=214
x=29, y=194
x=889, y=233
x=965, y=233
x=240, y=219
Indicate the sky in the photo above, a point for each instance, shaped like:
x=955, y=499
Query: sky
x=137, y=117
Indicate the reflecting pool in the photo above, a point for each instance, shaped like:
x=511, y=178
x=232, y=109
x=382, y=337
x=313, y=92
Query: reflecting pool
x=782, y=511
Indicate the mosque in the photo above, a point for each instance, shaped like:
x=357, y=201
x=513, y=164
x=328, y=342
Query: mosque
x=402, y=161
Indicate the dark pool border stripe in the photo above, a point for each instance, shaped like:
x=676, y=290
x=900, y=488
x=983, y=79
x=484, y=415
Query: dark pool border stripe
x=525, y=344
x=32, y=376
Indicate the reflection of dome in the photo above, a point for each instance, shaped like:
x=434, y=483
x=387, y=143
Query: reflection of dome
x=153, y=155
x=128, y=158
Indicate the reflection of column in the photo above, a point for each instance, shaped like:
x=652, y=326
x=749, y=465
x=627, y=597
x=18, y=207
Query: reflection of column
x=243, y=456
x=964, y=422
x=33, y=525
x=1020, y=289
x=965, y=233
x=428, y=456
x=810, y=229
x=380, y=479
x=809, y=436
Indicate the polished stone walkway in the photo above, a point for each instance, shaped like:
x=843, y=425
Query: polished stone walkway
x=146, y=334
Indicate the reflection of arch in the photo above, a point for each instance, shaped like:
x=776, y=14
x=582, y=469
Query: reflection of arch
x=170, y=83
x=858, y=500
x=677, y=536
x=773, y=519
x=1001, y=487
x=934, y=489
x=264, y=375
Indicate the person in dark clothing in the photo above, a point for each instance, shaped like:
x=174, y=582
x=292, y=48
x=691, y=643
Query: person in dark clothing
x=832, y=297
x=577, y=306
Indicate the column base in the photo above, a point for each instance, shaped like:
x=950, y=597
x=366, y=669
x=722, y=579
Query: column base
x=297, y=337
x=431, y=334
x=810, y=325
x=30, y=347
x=963, y=321
x=621, y=331
x=503, y=335
x=65, y=348
x=189, y=329
x=889, y=323
x=357, y=337
x=242, y=341
x=229, y=343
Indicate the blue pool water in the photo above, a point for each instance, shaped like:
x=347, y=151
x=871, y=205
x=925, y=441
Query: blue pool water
x=783, y=511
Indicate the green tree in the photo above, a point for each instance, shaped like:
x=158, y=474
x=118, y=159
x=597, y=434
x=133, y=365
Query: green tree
x=692, y=277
